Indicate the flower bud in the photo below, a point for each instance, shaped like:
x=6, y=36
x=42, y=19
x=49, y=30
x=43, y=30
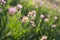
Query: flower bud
x=41, y=16
x=19, y=6
x=46, y=20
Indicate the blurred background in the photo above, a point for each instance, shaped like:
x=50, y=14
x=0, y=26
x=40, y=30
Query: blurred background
x=29, y=19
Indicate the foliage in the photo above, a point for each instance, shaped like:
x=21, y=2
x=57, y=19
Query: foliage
x=14, y=27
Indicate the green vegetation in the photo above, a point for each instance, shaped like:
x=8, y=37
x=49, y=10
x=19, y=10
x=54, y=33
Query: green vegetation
x=29, y=20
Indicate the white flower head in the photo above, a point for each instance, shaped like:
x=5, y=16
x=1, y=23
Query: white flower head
x=53, y=26
x=41, y=16
x=19, y=6
x=46, y=20
x=55, y=17
x=44, y=37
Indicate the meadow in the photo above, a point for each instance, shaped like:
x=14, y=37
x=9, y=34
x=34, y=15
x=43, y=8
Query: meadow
x=29, y=20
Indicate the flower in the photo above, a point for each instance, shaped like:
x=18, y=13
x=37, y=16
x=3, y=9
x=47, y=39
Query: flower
x=55, y=6
x=53, y=26
x=3, y=2
x=46, y=20
x=29, y=14
x=24, y=19
x=19, y=6
x=42, y=16
x=44, y=37
x=12, y=10
x=55, y=17
x=32, y=14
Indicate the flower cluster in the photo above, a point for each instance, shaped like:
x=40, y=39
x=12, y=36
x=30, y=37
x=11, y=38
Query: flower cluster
x=30, y=17
x=47, y=19
x=32, y=14
x=13, y=10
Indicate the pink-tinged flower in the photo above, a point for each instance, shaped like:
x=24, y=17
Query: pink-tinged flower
x=12, y=10
x=53, y=26
x=3, y=2
x=55, y=6
x=48, y=16
x=19, y=6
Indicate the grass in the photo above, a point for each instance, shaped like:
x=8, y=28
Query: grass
x=20, y=26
